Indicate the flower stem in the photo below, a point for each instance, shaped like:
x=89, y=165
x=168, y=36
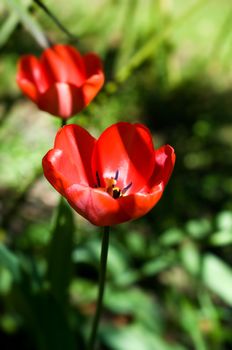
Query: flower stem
x=102, y=277
x=55, y=19
x=63, y=122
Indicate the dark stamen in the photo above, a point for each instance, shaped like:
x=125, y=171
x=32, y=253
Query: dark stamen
x=98, y=179
x=126, y=188
x=116, y=193
x=116, y=175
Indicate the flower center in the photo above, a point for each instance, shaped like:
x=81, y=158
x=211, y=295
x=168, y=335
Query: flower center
x=111, y=187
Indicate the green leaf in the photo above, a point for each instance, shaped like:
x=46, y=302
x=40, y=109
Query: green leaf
x=190, y=321
x=198, y=229
x=5, y=281
x=10, y=261
x=137, y=338
x=20, y=8
x=171, y=237
x=44, y=318
x=126, y=301
x=83, y=291
x=218, y=277
x=224, y=221
x=53, y=326
x=190, y=257
x=7, y=28
x=221, y=238
x=89, y=253
x=158, y=264
x=60, y=249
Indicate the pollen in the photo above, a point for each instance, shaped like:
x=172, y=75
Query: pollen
x=110, y=182
x=112, y=189
x=110, y=186
x=116, y=192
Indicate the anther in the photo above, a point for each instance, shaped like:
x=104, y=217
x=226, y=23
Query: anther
x=126, y=188
x=116, y=193
x=116, y=175
x=98, y=179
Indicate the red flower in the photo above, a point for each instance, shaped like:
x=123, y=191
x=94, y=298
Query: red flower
x=61, y=82
x=111, y=180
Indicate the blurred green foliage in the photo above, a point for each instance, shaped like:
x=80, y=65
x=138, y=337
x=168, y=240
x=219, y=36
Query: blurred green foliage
x=168, y=65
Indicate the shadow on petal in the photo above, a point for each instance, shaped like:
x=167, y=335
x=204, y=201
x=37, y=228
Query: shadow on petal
x=165, y=161
x=96, y=205
x=62, y=100
x=139, y=204
x=128, y=149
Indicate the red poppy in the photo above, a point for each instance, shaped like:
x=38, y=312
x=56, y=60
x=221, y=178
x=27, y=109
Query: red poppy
x=111, y=180
x=61, y=82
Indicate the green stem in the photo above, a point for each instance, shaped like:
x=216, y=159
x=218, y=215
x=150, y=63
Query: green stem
x=55, y=19
x=63, y=122
x=102, y=277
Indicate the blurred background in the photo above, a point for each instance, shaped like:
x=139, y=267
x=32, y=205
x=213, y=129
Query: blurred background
x=168, y=64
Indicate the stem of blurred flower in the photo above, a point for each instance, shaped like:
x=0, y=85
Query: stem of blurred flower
x=102, y=277
x=63, y=122
x=55, y=20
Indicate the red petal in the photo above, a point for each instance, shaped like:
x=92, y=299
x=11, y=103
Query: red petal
x=165, y=161
x=62, y=100
x=128, y=149
x=64, y=64
x=139, y=204
x=95, y=205
x=95, y=77
x=28, y=89
x=56, y=168
x=91, y=88
x=101, y=209
x=69, y=162
x=31, y=77
x=93, y=65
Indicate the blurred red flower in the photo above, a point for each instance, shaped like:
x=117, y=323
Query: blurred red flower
x=61, y=82
x=111, y=180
